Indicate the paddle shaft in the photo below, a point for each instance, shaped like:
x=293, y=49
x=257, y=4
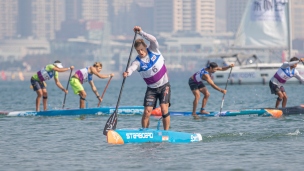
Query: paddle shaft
x=225, y=89
x=124, y=79
x=66, y=89
x=112, y=121
x=104, y=90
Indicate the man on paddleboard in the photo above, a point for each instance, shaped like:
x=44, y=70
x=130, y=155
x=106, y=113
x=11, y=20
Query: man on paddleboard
x=197, y=86
x=86, y=75
x=47, y=73
x=284, y=73
x=151, y=66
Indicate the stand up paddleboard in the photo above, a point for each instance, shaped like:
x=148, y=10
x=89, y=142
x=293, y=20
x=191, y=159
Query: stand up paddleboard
x=138, y=110
x=128, y=110
x=126, y=136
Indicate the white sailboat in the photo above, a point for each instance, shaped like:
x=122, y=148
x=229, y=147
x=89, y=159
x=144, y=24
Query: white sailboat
x=265, y=26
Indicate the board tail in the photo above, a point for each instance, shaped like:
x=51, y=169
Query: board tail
x=275, y=112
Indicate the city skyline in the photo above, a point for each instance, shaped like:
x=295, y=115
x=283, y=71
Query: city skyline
x=42, y=19
x=95, y=30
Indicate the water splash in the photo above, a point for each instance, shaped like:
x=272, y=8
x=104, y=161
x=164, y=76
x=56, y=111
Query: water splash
x=297, y=132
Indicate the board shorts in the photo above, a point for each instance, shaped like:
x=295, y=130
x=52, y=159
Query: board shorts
x=161, y=93
x=37, y=85
x=275, y=88
x=76, y=85
x=194, y=85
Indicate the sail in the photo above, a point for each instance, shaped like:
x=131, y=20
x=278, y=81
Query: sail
x=263, y=25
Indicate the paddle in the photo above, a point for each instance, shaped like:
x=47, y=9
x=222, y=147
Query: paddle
x=225, y=89
x=66, y=89
x=104, y=90
x=112, y=121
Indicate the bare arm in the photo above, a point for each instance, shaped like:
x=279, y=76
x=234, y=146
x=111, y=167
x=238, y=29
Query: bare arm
x=225, y=68
x=94, y=89
x=209, y=81
x=57, y=82
x=102, y=76
x=62, y=69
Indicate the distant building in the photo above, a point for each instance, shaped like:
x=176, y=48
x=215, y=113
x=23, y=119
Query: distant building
x=220, y=14
x=8, y=18
x=234, y=10
x=73, y=10
x=46, y=18
x=184, y=15
x=24, y=18
x=125, y=14
x=95, y=10
x=17, y=49
x=297, y=15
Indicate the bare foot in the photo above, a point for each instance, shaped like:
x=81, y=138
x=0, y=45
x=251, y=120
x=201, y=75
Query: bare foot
x=195, y=116
x=204, y=112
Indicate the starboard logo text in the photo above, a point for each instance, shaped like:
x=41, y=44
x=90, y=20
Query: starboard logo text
x=129, y=111
x=139, y=135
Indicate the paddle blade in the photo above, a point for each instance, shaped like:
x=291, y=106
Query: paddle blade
x=111, y=123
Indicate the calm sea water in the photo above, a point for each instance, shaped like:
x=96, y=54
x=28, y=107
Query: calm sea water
x=69, y=143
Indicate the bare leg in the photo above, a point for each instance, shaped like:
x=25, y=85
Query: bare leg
x=145, y=120
x=39, y=95
x=284, y=99
x=196, y=94
x=205, y=99
x=82, y=94
x=44, y=92
x=280, y=95
x=166, y=121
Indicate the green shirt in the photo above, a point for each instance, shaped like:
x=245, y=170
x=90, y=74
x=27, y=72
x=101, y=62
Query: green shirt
x=48, y=68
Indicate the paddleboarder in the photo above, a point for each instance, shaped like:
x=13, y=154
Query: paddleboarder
x=197, y=86
x=86, y=75
x=45, y=74
x=284, y=73
x=151, y=66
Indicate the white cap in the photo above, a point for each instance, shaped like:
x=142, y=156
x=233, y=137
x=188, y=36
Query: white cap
x=58, y=64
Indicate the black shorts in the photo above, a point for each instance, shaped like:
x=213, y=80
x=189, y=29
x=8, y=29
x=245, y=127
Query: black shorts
x=162, y=93
x=37, y=84
x=194, y=85
x=275, y=88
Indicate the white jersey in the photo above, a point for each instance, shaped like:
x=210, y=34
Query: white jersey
x=285, y=73
x=153, y=72
x=152, y=67
x=84, y=75
x=197, y=77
